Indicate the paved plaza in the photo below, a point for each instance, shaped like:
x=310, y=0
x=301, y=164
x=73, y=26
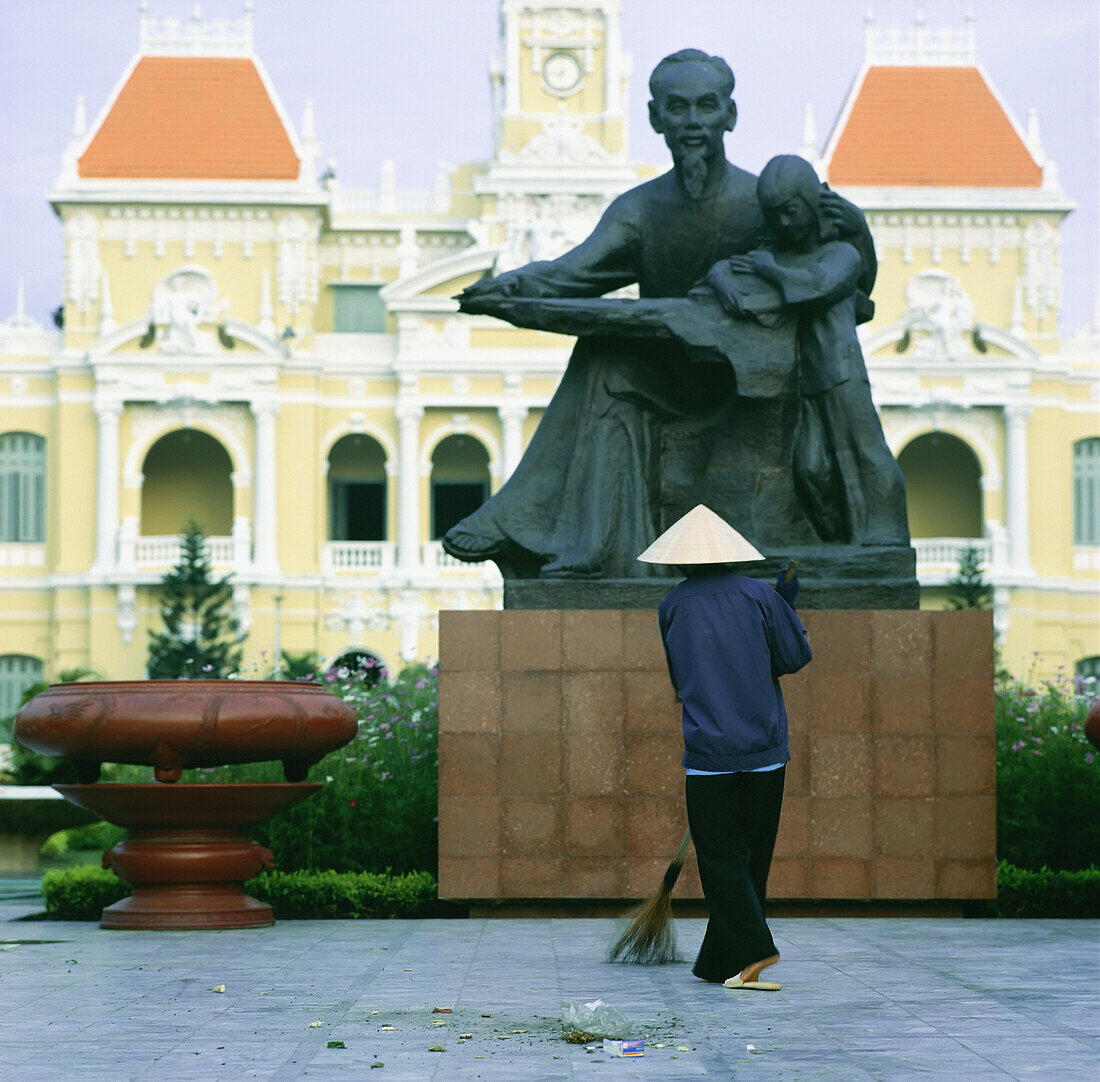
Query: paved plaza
x=862, y=999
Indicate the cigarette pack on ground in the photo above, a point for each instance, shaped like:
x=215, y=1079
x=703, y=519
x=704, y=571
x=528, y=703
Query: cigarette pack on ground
x=624, y=1048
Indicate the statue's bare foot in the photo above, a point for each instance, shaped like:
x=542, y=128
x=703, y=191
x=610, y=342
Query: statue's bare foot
x=463, y=545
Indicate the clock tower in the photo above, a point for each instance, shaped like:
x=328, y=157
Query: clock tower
x=560, y=57
x=559, y=104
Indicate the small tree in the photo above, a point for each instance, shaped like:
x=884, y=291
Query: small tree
x=200, y=636
x=968, y=589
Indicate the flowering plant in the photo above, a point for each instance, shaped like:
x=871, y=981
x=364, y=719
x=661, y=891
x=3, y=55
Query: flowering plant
x=378, y=808
x=1048, y=776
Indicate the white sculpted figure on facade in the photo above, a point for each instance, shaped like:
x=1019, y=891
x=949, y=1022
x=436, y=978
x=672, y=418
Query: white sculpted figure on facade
x=939, y=315
x=542, y=227
x=562, y=141
x=182, y=302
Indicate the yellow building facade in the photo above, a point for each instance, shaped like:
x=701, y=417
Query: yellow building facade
x=251, y=345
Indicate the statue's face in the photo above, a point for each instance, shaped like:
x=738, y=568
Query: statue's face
x=793, y=221
x=692, y=111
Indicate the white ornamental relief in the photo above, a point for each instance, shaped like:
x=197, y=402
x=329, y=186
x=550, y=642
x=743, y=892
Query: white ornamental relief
x=82, y=266
x=562, y=142
x=126, y=614
x=297, y=269
x=184, y=302
x=546, y=226
x=561, y=28
x=1042, y=275
x=354, y=615
x=939, y=316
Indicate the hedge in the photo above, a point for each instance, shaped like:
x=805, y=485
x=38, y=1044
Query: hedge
x=349, y=895
x=1023, y=892
x=82, y=893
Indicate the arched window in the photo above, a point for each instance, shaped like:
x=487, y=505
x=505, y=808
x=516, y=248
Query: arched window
x=1086, y=491
x=460, y=481
x=187, y=476
x=22, y=487
x=17, y=673
x=361, y=664
x=942, y=487
x=357, y=490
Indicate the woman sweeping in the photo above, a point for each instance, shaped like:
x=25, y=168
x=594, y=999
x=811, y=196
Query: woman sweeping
x=728, y=639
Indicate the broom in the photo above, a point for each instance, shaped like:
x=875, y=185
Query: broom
x=649, y=938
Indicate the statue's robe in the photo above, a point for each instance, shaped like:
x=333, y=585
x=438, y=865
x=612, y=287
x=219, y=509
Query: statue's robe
x=631, y=435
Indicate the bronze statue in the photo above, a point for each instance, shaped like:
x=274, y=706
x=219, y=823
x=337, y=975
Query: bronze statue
x=670, y=400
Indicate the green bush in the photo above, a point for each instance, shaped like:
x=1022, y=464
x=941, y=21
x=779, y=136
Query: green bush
x=81, y=893
x=100, y=835
x=1025, y=892
x=349, y=895
x=1048, y=779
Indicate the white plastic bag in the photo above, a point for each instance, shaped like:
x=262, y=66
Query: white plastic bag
x=582, y=1022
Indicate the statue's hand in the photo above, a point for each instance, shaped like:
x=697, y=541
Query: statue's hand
x=763, y=263
x=483, y=295
x=720, y=279
x=847, y=217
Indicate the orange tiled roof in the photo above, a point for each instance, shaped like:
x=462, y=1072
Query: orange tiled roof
x=192, y=118
x=935, y=126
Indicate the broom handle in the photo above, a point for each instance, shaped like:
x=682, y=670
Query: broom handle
x=681, y=853
x=673, y=871
x=792, y=567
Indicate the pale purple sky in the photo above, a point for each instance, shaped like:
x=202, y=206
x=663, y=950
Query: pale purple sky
x=407, y=80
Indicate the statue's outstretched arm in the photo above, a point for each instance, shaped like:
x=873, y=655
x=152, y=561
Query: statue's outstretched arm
x=605, y=261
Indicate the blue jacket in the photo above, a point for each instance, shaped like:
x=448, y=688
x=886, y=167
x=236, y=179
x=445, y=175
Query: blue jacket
x=728, y=639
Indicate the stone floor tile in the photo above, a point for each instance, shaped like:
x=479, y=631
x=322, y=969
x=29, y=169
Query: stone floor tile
x=862, y=999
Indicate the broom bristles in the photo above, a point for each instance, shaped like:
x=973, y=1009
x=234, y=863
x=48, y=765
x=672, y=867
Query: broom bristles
x=650, y=938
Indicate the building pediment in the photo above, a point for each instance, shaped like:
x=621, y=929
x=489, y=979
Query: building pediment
x=137, y=330
x=186, y=318
x=422, y=289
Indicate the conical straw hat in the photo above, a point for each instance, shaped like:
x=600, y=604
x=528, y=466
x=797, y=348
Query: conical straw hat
x=700, y=537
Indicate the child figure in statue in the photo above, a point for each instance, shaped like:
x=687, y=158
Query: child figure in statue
x=846, y=476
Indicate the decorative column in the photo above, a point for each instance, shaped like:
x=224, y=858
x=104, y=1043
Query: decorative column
x=1016, y=486
x=409, y=415
x=512, y=416
x=107, y=486
x=264, y=492
x=407, y=251
x=127, y=545
x=408, y=610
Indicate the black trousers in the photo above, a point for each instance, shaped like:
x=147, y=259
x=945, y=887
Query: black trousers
x=734, y=819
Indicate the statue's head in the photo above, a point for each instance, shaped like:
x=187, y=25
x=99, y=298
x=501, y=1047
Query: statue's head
x=789, y=193
x=692, y=104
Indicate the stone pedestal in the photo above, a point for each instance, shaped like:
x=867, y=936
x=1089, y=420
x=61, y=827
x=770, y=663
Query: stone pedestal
x=560, y=748
x=833, y=577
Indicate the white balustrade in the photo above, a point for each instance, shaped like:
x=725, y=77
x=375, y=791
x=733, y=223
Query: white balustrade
x=166, y=551
x=14, y=554
x=944, y=553
x=357, y=557
x=433, y=558
x=373, y=202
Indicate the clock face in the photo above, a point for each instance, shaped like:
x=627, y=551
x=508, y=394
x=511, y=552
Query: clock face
x=561, y=73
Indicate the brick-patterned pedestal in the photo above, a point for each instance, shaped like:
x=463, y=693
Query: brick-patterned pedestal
x=560, y=747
